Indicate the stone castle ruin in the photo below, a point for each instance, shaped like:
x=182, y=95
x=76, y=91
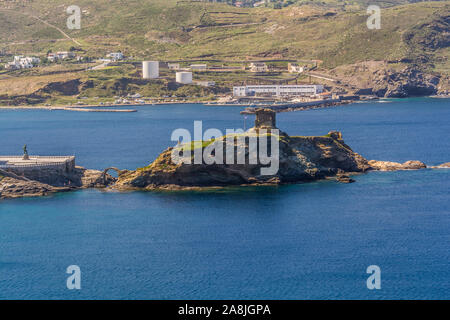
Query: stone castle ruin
x=265, y=118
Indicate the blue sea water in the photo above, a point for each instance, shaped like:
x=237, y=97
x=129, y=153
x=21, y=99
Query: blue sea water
x=304, y=241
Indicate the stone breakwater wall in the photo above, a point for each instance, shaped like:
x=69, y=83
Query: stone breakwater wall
x=50, y=170
x=303, y=104
x=295, y=106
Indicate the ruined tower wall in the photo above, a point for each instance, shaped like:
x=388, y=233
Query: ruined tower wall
x=265, y=118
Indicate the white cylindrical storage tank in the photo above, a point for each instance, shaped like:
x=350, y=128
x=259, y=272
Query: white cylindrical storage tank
x=150, y=69
x=184, y=77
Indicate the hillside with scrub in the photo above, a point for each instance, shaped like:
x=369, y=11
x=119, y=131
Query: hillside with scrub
x=331, y=34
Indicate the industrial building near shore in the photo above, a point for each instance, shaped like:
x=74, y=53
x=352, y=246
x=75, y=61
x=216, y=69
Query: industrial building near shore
x=150, y=70
x=278, y=90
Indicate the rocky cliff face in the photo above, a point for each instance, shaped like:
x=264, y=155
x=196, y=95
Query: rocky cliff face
x=389, y=80
x=301, y=159
x=14, y=186
x=405, y=83
x=67, y=88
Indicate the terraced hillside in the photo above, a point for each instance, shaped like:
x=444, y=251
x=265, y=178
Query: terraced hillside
x=186, y=29
x=331, y=32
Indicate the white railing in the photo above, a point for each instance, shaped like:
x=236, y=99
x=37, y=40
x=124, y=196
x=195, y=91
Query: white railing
x=39, y=157
x=31, y=164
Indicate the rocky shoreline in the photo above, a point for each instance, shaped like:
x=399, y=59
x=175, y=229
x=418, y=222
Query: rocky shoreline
x=156, y=179
x=15, y=186
x=299, y=159
x=303, y=159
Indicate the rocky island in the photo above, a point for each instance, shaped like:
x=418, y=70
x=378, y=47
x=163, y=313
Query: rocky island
x=301, y=159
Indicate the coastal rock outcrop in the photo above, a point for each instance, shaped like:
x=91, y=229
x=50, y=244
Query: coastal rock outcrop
x=442, y=166
x=393, y=166
x=406, y=83
x=301, y=159
x=15, y=186
x=67, y=88
x=388, y=79
x=344, y=178
x=87, y=178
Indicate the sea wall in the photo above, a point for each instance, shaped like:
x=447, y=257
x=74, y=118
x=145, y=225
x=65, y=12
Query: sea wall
x=53, y=173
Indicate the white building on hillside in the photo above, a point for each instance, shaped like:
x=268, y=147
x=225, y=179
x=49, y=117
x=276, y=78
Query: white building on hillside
x=198, y=67
x=259, y=3
x=205, y=83
x=60, y=55
x=258, y=67
x=295, y=68
x=21, y=62
x=278, y=90
x=115, y=56
x=11, y=66
x=173, y=66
